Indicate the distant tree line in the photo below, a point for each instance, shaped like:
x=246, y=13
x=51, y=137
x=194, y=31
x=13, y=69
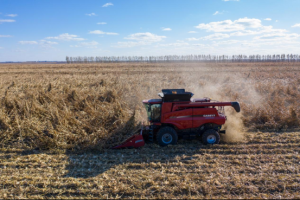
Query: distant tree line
x=186, y=58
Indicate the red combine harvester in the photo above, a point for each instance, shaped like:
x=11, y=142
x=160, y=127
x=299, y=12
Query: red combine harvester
x=176, y=115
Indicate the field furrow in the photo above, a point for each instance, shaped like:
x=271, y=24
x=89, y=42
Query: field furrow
x=58, y=122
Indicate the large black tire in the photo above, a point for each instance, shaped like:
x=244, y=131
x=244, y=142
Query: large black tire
x=166, y=135
x=211, y=136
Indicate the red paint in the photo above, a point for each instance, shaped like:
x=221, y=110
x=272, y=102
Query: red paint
x=135, y=141
x=185, y=115
x=181, y=123
x=199, y=119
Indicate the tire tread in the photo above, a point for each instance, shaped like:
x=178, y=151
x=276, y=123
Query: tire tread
x=164, y=130
x=210, y=132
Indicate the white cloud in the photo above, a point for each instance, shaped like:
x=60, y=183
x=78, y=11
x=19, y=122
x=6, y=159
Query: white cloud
x=228, y=42
x=296, y=25
x=28, y=42
x=250, y=44
x=176, y=44
x=45, y=42
x=5, y=36
x=107, y=4
x=192, y=32
x=148, y=37
x=268, y=19
x=130, y=44
x=92, y=44
x=278, y=36
x=6, y=20
x=244, y=33
x=110, y=33
x=277, y=21
x=269, y=29
x=240, y=27
x=12, y=15
x=140, y=39
x=166, y=29
x=216, y=36
x=193, y=39
x=217, y=13
x=101, y=23
x=98, y=32
x=91, y=14
x=198, y=45
x=262, y=30
x=230, y=26
x=66, y=37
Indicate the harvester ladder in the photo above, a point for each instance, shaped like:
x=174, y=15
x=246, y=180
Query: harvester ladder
x=151, y=135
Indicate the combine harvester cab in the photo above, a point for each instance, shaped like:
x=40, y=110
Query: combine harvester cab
x=176, y=115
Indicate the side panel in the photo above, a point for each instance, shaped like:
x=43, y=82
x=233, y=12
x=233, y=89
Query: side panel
x=166, y=107
x=206, y=115
x=182, y=119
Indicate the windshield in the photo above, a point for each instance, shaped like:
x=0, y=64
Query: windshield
x=153, y=112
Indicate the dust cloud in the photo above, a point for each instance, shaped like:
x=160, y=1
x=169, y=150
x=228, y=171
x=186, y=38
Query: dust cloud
x=223, y=86
x=217, y=82
x=235, y=130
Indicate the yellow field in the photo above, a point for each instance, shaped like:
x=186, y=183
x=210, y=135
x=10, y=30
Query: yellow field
x=57, y=122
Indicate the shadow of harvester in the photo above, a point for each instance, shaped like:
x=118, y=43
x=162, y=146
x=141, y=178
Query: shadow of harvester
x=186, y=151
x=92, y=164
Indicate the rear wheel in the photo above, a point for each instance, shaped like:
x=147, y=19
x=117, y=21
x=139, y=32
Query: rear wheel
x=166, y=135
x=211, y=136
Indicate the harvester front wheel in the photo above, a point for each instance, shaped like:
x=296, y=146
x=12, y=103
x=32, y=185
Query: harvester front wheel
x=211, y=136
x=166, y=135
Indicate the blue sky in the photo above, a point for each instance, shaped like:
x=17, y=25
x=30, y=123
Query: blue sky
x=53, y=29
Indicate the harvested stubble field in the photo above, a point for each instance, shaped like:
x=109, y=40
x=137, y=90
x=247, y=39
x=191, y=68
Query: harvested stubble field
x=57, y=122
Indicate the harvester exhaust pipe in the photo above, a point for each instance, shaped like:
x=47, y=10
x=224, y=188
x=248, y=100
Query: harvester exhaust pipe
x=236, y=106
